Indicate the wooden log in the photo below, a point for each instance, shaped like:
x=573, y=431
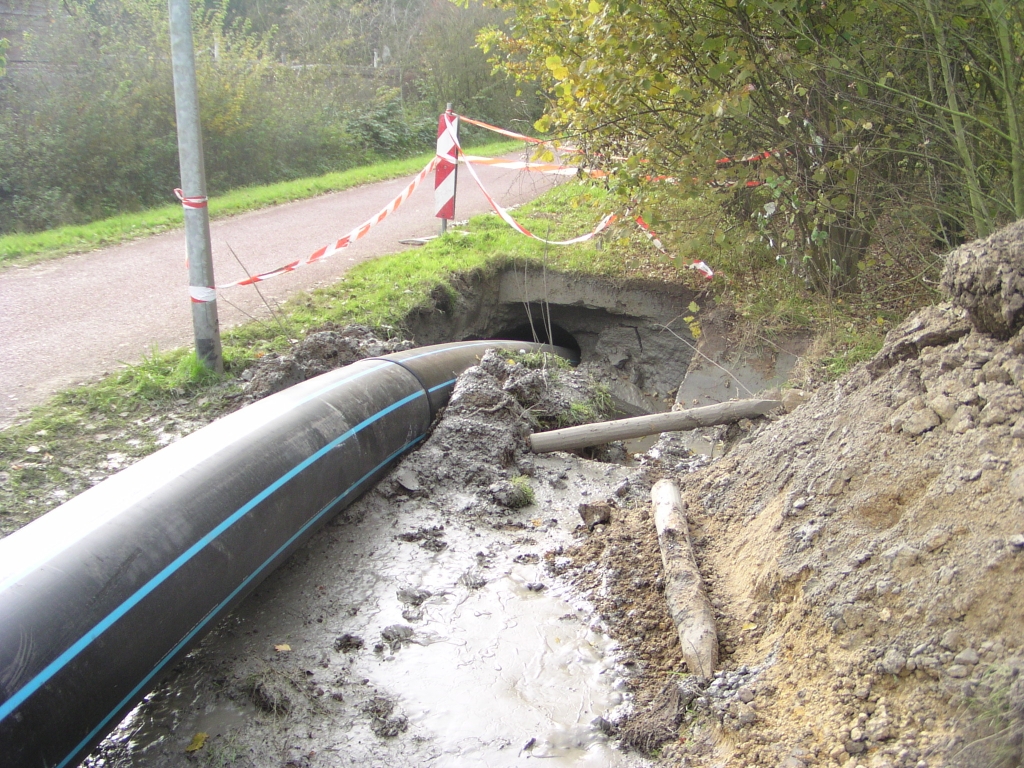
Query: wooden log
x=623, y=429
x=684, y=589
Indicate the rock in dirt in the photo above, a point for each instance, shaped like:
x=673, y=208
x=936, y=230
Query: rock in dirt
x=347, y=643
x=793, y=399
x=382, y=720
x=271, y=696
x=397, y=635
x=597, y=513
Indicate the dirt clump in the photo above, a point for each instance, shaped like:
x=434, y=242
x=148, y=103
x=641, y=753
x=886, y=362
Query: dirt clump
x=478, y=450
x=986, y=277
x=320, y=351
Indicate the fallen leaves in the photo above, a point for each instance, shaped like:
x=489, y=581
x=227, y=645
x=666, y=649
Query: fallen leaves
x=198, y=742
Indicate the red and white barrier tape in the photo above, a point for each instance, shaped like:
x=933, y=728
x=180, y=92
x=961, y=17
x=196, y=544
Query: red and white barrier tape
x=748, y=159
x=190, y=202
x=200, y=294
x=700, y=266
x=514, y=135
x=602, y=225
x=567, y=170
x=552, y=169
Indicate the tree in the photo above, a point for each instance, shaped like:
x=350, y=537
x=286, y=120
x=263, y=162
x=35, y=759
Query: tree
x=838, y=100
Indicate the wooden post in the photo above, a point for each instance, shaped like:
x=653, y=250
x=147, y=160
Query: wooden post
x=684, y=589
x=626, y=429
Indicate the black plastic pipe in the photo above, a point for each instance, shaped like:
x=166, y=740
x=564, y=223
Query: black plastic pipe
x=99, y=597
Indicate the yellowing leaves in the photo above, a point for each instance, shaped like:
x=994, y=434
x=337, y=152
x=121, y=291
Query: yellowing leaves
x=558, y=69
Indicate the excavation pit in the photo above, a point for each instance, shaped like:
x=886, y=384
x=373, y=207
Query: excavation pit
x=427, y=624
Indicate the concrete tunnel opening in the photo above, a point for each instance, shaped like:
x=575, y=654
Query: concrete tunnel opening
x=535, y=329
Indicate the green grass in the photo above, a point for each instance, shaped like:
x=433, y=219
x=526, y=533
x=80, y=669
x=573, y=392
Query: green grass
x=29, y=248
x=523, y=495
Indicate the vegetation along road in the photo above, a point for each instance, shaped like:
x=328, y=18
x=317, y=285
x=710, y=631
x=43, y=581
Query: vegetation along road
x=71, y=319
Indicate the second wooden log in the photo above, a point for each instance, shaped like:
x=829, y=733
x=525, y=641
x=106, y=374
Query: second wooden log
x=684, y=588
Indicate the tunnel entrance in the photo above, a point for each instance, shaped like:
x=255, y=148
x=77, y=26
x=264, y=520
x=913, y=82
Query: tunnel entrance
x=633, y=329
x=537, y=330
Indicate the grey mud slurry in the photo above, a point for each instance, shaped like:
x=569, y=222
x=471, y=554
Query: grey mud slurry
x=421, y=627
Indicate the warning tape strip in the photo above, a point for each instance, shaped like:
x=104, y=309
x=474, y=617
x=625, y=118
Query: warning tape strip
x=200, y=294
x=190, y=202
x=594, y=173
x=721, y=162
x=553, y=169
x=749, y=159
x=700, y=266
x=514, y=135
x=470, y=161
x=507, y=218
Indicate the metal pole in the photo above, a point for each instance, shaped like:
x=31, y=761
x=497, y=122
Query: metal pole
x=193, y=185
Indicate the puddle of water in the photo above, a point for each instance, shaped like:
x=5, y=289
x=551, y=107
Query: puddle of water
x=501, y=666
x=497, y=671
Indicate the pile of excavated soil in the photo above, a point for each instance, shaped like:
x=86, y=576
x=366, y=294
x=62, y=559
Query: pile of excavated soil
x=865, y=554
x=323, y=350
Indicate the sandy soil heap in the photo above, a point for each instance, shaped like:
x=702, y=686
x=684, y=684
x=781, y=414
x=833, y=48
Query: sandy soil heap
x=866, y=553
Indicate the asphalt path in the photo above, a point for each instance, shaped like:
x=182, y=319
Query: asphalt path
x=74, y=319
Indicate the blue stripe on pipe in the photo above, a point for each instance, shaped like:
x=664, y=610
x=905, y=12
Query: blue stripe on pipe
x=57, y=664
x=213, y=613
x=448, y=383
x=446, y=349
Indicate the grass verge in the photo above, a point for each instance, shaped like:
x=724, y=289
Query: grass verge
x=29, y=248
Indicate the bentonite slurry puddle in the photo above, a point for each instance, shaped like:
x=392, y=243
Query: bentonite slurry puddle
x=403, y=634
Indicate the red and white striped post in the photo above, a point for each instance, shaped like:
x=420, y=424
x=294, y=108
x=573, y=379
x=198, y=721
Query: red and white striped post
x=447, y=168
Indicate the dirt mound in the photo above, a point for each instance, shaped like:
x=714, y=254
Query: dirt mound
x=478, y=449
x=321, y=351
x=865, y=553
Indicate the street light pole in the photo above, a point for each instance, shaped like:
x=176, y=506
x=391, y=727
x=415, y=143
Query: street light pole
x=193, y=188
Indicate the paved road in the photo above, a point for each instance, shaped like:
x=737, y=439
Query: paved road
x=73, y=319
